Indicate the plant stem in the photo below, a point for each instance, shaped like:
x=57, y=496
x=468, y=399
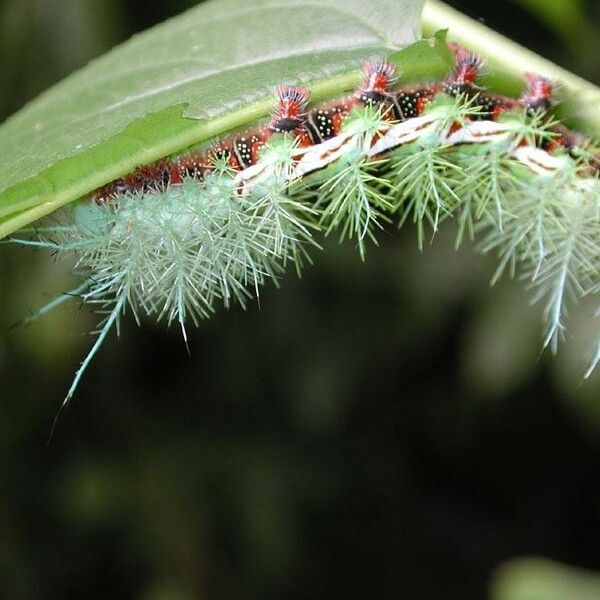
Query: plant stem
x=512, y=59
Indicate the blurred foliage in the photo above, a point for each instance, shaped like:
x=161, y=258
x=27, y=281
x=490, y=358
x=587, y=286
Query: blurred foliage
x=536, y=579
x=378, y=430
x=570, y=20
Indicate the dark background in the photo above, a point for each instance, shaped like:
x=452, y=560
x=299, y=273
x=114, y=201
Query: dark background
x=378, y=430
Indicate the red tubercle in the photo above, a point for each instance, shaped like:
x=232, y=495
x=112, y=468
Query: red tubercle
x=539, y=86
x=375, y=88
x=539, y=92
x=467, y=68
x=377, y=77
x=292, y=102
x=290, y=113
x=465, y=74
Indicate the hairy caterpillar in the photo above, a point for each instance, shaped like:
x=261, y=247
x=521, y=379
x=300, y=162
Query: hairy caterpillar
x=174, y=238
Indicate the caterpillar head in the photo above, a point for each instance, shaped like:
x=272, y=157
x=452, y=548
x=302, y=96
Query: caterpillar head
x=290, y=112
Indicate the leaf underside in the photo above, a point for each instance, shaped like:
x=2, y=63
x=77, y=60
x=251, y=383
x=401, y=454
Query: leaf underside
x=190, y=79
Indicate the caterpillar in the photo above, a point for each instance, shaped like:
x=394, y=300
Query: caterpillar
x=174, y=238
x=325, y=122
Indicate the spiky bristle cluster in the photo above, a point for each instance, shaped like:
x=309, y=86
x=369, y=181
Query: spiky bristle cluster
x=238, y=213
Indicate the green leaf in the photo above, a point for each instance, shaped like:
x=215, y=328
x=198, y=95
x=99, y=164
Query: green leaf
x=193, y=77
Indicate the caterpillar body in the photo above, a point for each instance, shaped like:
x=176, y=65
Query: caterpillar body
x=311, y=128
x=174, y=237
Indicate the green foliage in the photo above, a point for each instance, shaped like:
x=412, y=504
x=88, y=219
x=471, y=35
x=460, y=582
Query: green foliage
x=566, y=17
x=533, y=578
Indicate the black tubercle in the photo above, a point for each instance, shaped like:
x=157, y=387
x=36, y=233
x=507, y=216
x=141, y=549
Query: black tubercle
x=456, y=89
x=285, y=124
x=372, y=97
x=534, y=106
